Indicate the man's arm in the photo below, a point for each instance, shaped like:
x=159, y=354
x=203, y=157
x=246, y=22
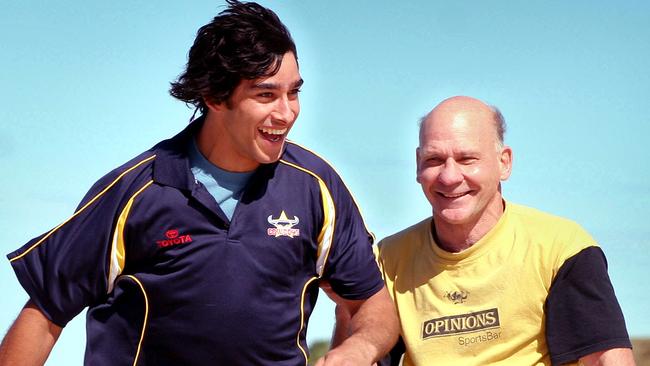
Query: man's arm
x=611, y=357
x=582, y=293
x=342, y=326
x=30, y=339
x=370, y=333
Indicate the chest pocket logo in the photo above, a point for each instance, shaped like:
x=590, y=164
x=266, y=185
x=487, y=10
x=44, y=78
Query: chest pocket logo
x=283, y=226
x=173, y=238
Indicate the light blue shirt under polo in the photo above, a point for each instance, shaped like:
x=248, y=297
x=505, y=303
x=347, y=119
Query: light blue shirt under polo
x=226, y=187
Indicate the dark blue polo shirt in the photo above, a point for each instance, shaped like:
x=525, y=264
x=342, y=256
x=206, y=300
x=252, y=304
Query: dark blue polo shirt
x=169, y=280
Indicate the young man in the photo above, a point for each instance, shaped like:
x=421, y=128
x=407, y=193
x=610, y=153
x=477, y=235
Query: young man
x=484, y=281
x=209, y=248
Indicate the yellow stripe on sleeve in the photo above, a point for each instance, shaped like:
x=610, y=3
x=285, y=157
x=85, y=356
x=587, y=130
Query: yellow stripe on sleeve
x=118, y=252
x=326, y=235
x=354, y=199
x=95, y=198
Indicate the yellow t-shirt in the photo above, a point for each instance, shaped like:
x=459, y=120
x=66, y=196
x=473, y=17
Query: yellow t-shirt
x=484, y=305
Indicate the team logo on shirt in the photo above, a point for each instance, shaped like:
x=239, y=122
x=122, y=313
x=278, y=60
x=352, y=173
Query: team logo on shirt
x=457, y=297
x=283, y=226
x=173, y=238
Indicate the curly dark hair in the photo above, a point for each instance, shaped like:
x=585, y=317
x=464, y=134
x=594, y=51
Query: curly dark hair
x=245, y=41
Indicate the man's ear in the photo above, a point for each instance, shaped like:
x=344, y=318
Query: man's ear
x=214, y=106
x=505, y=162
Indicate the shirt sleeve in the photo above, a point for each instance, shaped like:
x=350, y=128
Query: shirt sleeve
x=351, y=267
x=65, y=269
x=582, y=313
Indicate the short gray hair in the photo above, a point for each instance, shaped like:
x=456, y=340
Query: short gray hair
x=499, y=124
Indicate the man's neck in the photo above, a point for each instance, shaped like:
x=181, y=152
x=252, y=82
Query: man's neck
x=212, y=143
x=455, y=238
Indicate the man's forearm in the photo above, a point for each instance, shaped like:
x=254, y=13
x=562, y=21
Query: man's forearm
x=372, y=327
x=342, y=327
x=375, y=325
x=611, y=357
x=30, y=339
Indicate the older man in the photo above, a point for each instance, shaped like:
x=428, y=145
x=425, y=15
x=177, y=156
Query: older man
x=486, y=281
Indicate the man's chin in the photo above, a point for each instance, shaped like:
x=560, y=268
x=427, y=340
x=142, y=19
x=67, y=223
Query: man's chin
x=453, y=216
x=269, y=159
x=270, y=154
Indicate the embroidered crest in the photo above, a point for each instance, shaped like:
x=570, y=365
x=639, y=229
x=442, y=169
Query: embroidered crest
x=457, y=297
x=283, y=226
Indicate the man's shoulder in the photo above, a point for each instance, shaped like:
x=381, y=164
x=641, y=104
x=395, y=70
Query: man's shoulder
x=144, y=158
x=306, y=158
x=406, y=241
x=167, y=155
x=166, y=152
x=550, y=230
x=538, y=219
x=125, y=177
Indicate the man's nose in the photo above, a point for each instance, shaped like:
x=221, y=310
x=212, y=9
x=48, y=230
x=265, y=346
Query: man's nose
x=283, y=110
x=450, y=173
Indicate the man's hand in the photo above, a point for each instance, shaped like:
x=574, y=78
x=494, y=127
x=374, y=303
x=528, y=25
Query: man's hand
x=345, y=355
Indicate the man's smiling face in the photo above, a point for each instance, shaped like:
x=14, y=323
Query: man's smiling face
x=257, y=118
x=461, y=163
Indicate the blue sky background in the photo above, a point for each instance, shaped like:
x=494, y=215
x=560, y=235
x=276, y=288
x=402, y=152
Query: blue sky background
x=84, y=88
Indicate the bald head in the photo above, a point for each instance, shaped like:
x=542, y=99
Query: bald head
x=463, y=108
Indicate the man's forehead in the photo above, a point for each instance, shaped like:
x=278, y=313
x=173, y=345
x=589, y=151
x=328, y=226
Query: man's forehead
x=439, y=146
x=461, y=135
x=461, y=124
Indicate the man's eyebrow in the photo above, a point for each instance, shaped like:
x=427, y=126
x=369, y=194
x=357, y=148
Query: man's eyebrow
x=295, y=84
x=298, y=83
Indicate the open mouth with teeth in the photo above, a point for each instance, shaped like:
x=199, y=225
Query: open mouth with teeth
x=272, y=134
x=452, y=196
